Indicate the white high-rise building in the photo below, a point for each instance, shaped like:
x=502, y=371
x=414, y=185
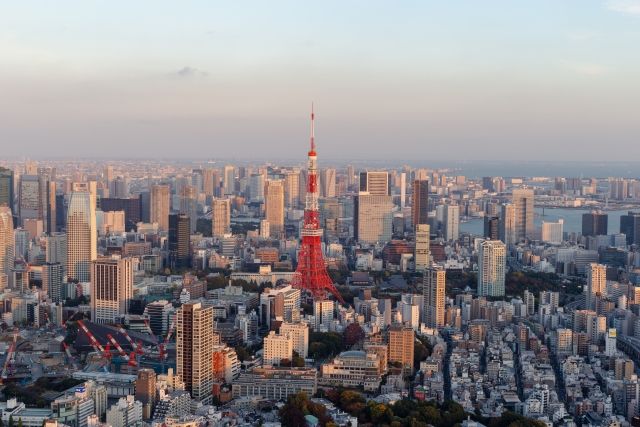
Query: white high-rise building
x=220, y=217
x=7, y=245
x=373, y=218
x=422, y=254
x=507, y=229
x=229, y=179
x=323, y=313
x=434, y=296
x=82, y=233
x=596, y=283
x=299, y=334
x=523, y=199
x=160, y=206
x=552, y=232
x=276, y=348
x=451, y=222
x=491, y=268
x=111, y=289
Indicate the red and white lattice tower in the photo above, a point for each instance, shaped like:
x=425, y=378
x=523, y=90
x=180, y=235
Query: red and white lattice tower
x=312, y=273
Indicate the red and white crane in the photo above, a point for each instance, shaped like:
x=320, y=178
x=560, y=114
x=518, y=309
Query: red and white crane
x=10, y=355
x=94, y=342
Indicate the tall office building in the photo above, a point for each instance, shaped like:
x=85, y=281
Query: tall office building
x=29, y=198
x=179, y=241
x=256, y=187
x=328, y=183
x=6, y=187
x=299, y=334
x=291, y=188
x=373, y=217
x=229, y=177
x=274, y=207
x=189, y=206
x=595, y=223
x=523, y=199
x=160, y=206
x=401, y=345
x=210, y=181
x=420, y=202
x=491, y=268
x=492, y=227
x=82, y=233
x=194, y=349
x=552, y=232
x=47, y=209
x=596, y=283
x=220, y=217
x=451, y=222
x=422, y=254
x=434, y=296
x=630, y=226
x=508, y=225
x=376, y=183
x=111, y=289
x=7, y=246
x=277, y=347
x=53, y=281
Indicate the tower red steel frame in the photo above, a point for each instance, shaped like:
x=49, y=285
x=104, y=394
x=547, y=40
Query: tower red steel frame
x=312, y=273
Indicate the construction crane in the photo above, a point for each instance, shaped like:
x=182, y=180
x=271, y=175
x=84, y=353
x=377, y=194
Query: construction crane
x=117, y=346
x=10, y=355
x=67, y=350
x=123, y=331
x=162, y=347
x=94, y=342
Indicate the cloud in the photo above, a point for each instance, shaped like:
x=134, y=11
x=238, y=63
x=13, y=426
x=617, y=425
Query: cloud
x=624, y=6
x=189, y=73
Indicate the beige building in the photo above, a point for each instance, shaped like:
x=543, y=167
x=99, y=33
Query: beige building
x=276, y=348
x=194, y=349
x=291, y=188
x=160, y=206
x=112, y=223
x=375, y=183
x=596, y=283
x=299, y=334
x=111, y=289
x=401, y=345
x=373, y=215
x=352, y=369
x=82, y=235
x=422, y=254
x=274, y=207
x=220, y=217
x=434, y=296
x=6, y=246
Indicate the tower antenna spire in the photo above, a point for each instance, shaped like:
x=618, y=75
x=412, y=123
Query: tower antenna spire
x=313, y=134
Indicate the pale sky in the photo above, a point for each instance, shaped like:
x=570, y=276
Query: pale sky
x=421, y=80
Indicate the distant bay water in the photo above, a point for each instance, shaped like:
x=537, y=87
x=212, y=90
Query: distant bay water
x=572, y=220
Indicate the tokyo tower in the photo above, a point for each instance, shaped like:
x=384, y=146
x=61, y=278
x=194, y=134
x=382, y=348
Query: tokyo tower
x=312, y=273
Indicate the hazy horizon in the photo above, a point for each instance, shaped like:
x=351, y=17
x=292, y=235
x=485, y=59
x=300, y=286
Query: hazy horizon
x=425, y=81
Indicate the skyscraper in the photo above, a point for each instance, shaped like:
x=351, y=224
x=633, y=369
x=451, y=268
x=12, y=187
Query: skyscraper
x=594, y=223
x=189, y=206
x=6, y=246
x=220, y=217
x=111, y=289
x=274, y=206
x=552, y=232
x=328, y=183
x=179, y=241
x=194, y=349
x=508, y=225
x=146, y=391
x=47, y=197
x=492, y=227
x=53, y=281
x=491, y=268
x=523, y=199
x=420, y=202
x=451, y=223
x=29, y=202
x=6, y=187
x=630, y=226
x=434, y=296
x=229, y=177
x=292, y=188
x=256, y=187
x=161, y=206
x=376, y=183
x=373, y=217
x=596, y=283
x=82, y=233
x=422, y=255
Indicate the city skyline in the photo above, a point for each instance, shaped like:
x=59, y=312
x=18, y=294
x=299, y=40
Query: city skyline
x=494, y=80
